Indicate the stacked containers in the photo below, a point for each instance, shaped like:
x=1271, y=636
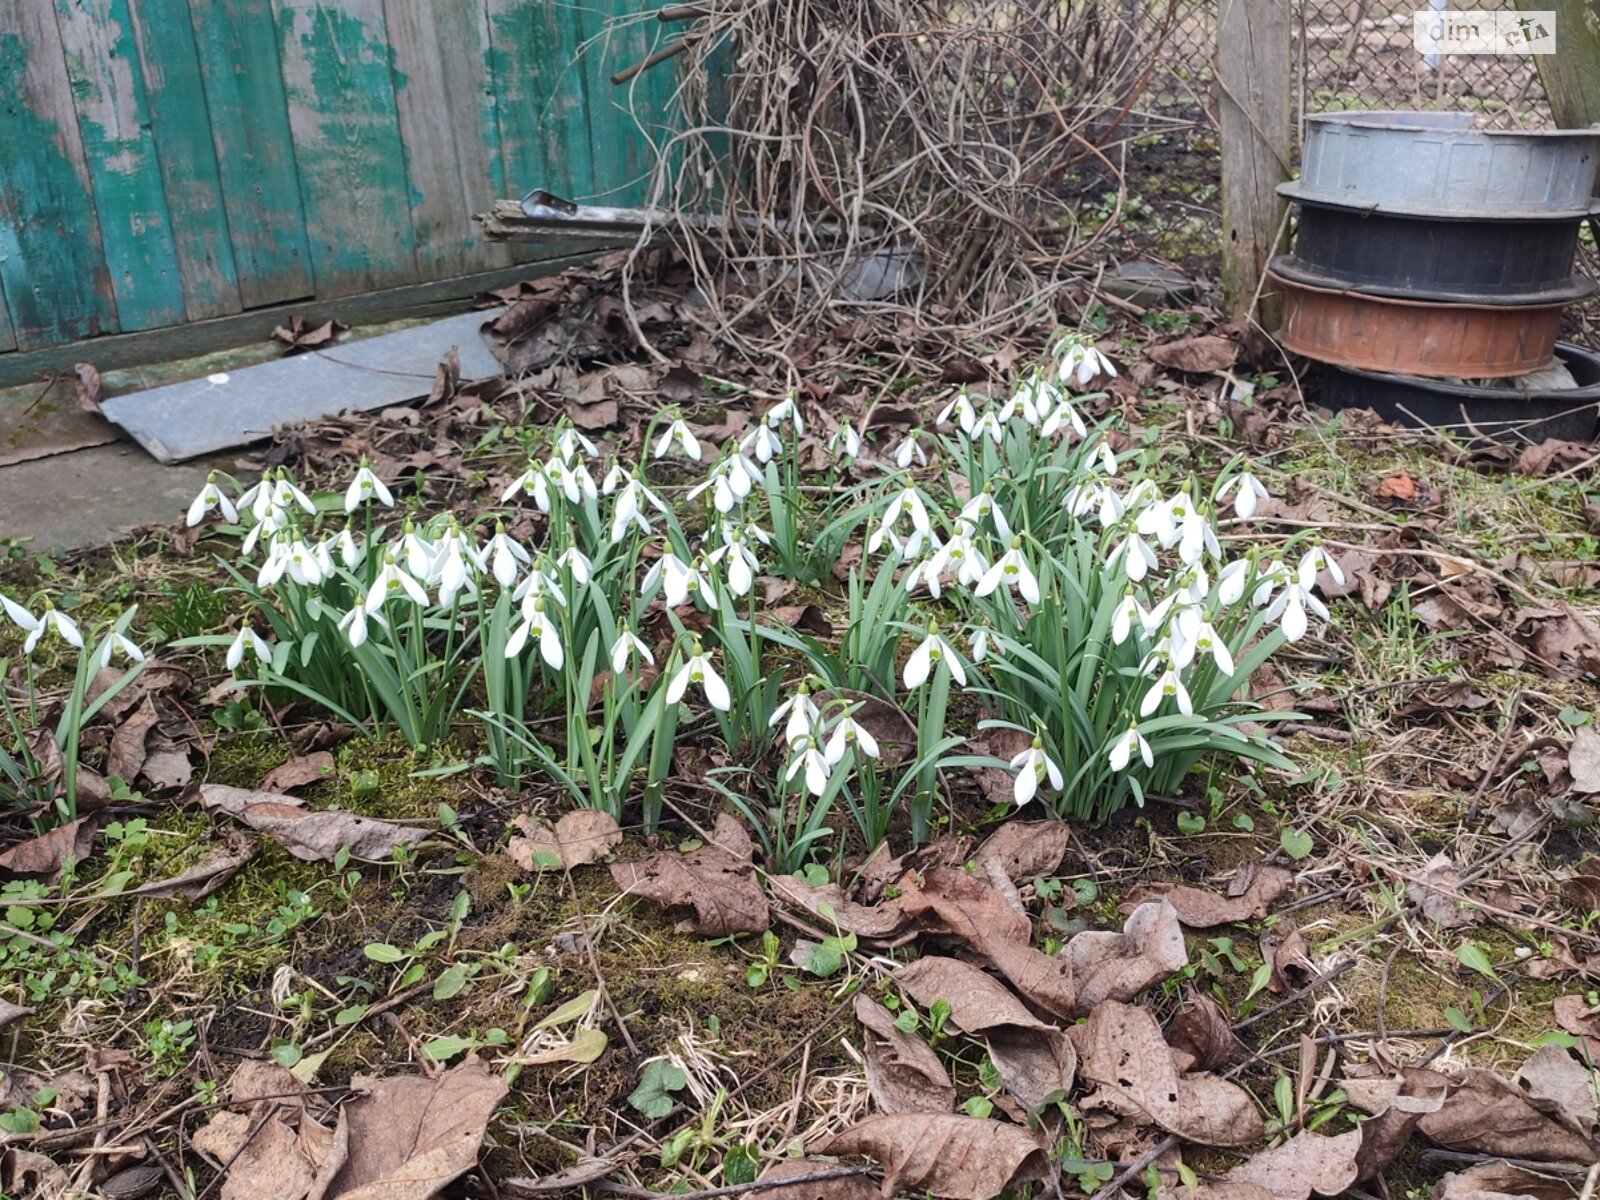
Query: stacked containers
x=1430, y=248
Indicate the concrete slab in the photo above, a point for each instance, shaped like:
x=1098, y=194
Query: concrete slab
x=233, y=408
x=46, y=419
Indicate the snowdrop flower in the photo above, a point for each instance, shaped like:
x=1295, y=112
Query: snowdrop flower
x=815, y=764
x=631, y=503
x=742, y=565
x=1033, y=766
x=392, y=579
x=933, y=650
x=801, y=712
x=1128, y=611
x=847, y=733
x=698, y=669
x=1167, y=686
x=985, y=505
x=1105, y=457
x=284, y=493
x=275, y=565
x=1195, y=585
x=960, y=556
x=629, y=646
x=1268, y=580
x=1081, y=363
x=575, y=482
x=211, y=497
x=540, y=584
x=845, y=442
x=304, y=564
x=786, y=410
x=1062, y=416
x=1314, y=560
x=247, y=640
x=615, y=478
x=1232, y=580
x=536, y=624
x=23, y=619
x=53, y=618
x=910, y=451
x=1249, y=492
x=763, y=443
x=1137, y=559
x=504, y=553
x=577, y=562
x=115, y=642
x=987, y=426
x=960, y=410
x=420, y=553
x=1032, y=400
x=1122, y=749
x=729, y=483
x=1012, y=570
x=531, y=482
x=366, y=487
x=258, y=497
x=354, y=623
x=908, y=502
x=569, y=441
x=983, y=643
x=1291, y=605
x=1192, y=635
x=678, y=432
x=349, y=550
x=455, y=562
x=679, y=580
x=323, y=556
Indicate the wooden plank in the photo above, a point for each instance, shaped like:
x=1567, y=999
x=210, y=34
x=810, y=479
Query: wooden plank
x=541, y=93
x=234, y=408
x=237, y=43
x=335, y=60
x=620, y=115
x=447, y=122
x=1571, y=76
x=114, y=122
x=181, y=126
x=438, y=297
x=1253, y=78
x=8, y=339
x=52, y=264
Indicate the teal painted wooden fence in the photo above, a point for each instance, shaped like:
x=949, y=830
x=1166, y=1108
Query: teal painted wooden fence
x=164, y=161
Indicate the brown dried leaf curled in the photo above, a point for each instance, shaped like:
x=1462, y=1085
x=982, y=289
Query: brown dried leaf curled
x=954, y=1157
x=312, y=836
x=580, y=837
x=1306, y=1163
x=903, y=1072
x=717, y=880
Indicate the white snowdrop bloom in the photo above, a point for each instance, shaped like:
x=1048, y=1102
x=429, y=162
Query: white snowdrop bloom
x=1032, y=401
x=924, y=573
x=615, y=478
x=910, y=451
x=631, y=503
x=583, y=482
x=391, y=580
x=1291, y=605
x=1122, y=749
x=323, y=553
x=741, y=565
x=984, y=643
x=799, y=714
x=276, y=563
x=1155, y=519
x=908, y=502
x=1063, y=416
x=988, y=426
x=698, y=670
x=678, y=579
x=268, y=527
x=959, y=410
x=1197, y=638
x=355, y=623
x=1196, y=539
x=960, y=557
x=1111, y=509
x=303, y=563
x=1195, y=585
x=985, y=505
x=116, y=643
x=53, y=618
x=1156, y=617
x=1247, y=492
x=763, y=443
x=248, y=640
x=1081, y=363
x=1082, y=498
x=284, y=494
x=1167, y=686
x=786, y=410
x=455, y=563
x=811, y=760
x=677, y=432
x=537, y=624
x=845, y=442
x=1135, y=556
x=1268, y=580
x=531, y=482
x=627, y=647
x=20, y=616
x=211, y=496
x=1105, y=457
x=419, y=552
x=364, y=488
x=348, y=548
x=927, y=656
x=1033, y=766
x=1232, y=580
x=568, y=481
x=504, y=554
x=729, y=483
x=1314, y=560
x=1011, y=570
x=569, y=441
x=847, y=733
x=577, y=562
x=540, y=583
x=1127, y=612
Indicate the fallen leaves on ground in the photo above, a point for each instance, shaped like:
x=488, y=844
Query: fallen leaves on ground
x=298, y=772
x=1434, y=893
x=1200, y=1036
x=299, y=335
x=274, y=1146
x=1502, y=1181
x=580, y=837
x=945, y=1155
x=220, y=864
x=1205, y=910
x=1485, y=1114
x=1196, y=355
x=904, y=1075
x=43, y=857
x=1306, y=1163
x=717, y=880
x=838, y=1186
x=1583, y=759
x=306, y=834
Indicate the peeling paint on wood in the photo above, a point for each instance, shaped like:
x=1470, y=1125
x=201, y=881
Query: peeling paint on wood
x=8, y=340
x=181, y=127
x=447, y=123
x=542, y=97
x=336, y=75
x=103, y=65
x=238, y=45
x=51, y=260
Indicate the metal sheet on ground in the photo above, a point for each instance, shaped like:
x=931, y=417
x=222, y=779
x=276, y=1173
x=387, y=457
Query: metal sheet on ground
x=184, y=420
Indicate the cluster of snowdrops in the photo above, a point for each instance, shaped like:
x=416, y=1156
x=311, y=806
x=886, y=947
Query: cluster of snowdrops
x=1016, y=576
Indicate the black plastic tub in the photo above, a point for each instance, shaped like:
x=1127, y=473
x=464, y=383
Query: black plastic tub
x=1451, y=259
x=1503, y=414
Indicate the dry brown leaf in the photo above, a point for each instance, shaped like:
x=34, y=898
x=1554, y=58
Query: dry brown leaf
x=1118, y=966
x=11, y=1013
x=312, y=836
x=580, y=837
x=1581, y=888
x=903, y=1073
x=1434, y=892
x=1196, y=355
x=168, y=770
x=880, y=922
x=1502, y=1181
x=1024, y=850
x=45, y=855
x=1583, y=760
x=717, y=880
x=1120, y=1047
x=1200, y=909
x=1200, y=1036
x=1397, y=1104
x=219, y=865
x=273, y=1146
x=841, y=1187
x=1560, y=1086
x=1034, y=1058
x=949, y=900
x=29, y=1173
x=807, y=618
x=126, y=755
x=1306, y=1163
x=407, y=1137
x=298, y=772
x=954, y=1157
x=1487, y=1115
x=1575, y=1016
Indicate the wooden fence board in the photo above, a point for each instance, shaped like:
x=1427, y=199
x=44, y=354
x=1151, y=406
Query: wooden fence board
x=181, y=127
x=447, y=123
x=542, y=97
x=8, y=340
x=237, y=41
x=335, y=60
x=620, y=162
x=52, y=264
x=135, y=226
